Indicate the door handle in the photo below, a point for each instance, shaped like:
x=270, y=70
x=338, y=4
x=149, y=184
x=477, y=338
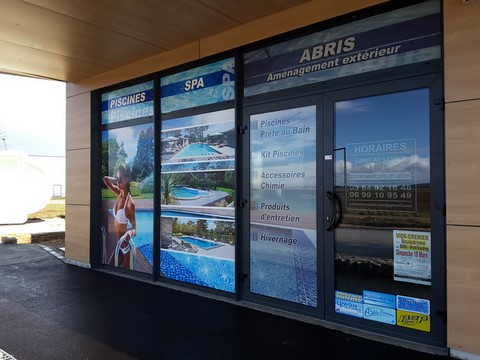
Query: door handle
x=334, y=219
x=330, y=219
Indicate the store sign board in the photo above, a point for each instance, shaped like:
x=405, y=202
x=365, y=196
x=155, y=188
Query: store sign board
x=128, y=103
x=204, y=85
x=405, y=36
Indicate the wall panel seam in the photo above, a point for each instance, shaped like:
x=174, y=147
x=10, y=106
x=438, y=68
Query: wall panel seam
x=82, y=148
x=464, y=225
x=461, y=101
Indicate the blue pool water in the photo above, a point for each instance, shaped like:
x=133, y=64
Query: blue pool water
x=194, y=150
x=147, y=251
x=200, y=270
x=204, y=244
x=195, y=269
x=144, y=228
x=186, y=193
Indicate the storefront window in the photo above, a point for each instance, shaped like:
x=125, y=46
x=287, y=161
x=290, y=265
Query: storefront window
x=197, y=200
x=127, y=197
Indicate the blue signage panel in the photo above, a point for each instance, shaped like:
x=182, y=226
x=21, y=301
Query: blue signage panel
x=421, y=306
x=209, y=84
x=380, y=314
x=128, y=103
x=348, y=304
x=400, y=37
x=380, y=299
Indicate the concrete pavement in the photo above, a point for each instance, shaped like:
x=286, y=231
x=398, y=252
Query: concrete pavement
x=24, y=232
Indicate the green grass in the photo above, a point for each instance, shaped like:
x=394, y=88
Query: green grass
x=227, y=190
x=50, y=211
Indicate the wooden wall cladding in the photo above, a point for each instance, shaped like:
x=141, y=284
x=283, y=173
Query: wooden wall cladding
x=462, y=143
x=77, y=233
x=463, y=276
x=146, y=66
x=306, y=14
x=462, y=50
x=78, y=177
x=296, y=17
x=463, y=162
x=78, y=130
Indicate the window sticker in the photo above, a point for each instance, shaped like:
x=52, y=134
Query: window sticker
x=413, y=320
x=197, y=196
x=382, y=176
x=412, y=259
x=283, y=237
x=379, y=313
x=127, y=197
x=421, y=306
x=348, y=304
x=380, y=299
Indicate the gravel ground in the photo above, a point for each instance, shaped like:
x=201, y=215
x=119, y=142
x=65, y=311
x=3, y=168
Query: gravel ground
x=54, y=244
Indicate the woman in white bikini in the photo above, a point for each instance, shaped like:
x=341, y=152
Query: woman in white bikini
x=123, y=214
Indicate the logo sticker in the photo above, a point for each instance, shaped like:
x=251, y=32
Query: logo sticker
x=378, y=313
x=413, y=320
x=421, y=306
x=348, y=304
x=380, y=299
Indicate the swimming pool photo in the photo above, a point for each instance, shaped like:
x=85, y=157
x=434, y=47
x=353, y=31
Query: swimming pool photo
x=188, y=193
x=196, y=150
x=197, y=269
x=202, y=243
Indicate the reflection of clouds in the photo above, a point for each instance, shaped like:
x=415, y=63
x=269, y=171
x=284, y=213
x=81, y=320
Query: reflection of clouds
x=419, y=168
x=350, y=106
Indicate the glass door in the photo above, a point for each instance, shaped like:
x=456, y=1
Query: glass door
x=384, y=226
x=282, y=252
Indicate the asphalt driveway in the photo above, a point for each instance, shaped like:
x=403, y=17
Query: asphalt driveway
x=52, y=310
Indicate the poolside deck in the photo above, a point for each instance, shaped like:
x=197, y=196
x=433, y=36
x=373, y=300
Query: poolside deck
x=215, y=196
x=224, y=251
